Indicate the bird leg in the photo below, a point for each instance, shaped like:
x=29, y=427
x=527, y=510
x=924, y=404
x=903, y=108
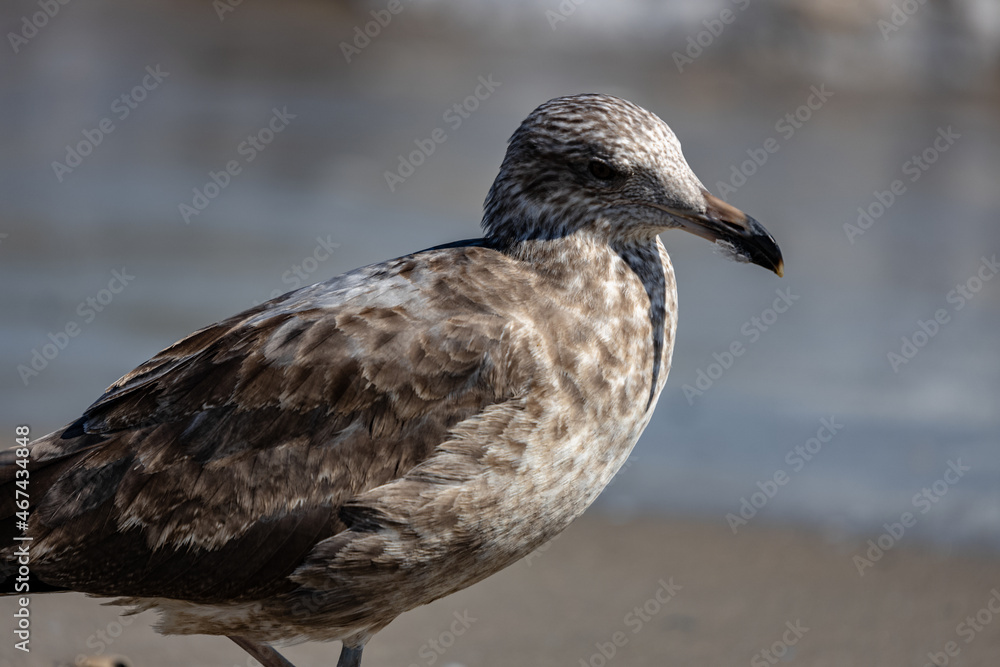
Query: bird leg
x=264, y=654
x=350, y=657
x=268, y=657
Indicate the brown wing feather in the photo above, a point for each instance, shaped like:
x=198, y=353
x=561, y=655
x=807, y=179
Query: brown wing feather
x=210, y=471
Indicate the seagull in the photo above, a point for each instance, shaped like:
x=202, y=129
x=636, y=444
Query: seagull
x=311, y=468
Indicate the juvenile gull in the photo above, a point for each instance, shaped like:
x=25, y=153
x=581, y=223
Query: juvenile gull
x=313, y=467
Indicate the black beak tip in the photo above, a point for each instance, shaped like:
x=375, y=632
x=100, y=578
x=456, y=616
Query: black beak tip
x=762, y=249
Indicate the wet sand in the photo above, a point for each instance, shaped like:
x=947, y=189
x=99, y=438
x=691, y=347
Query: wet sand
x=643, y=592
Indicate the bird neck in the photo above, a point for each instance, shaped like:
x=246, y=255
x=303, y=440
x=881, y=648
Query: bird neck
x=620, y=274
x=587, y=256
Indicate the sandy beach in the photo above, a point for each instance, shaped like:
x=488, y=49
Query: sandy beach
x=642, y=592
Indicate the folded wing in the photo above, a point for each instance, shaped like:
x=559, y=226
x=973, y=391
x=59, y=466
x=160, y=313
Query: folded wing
x=209, y=472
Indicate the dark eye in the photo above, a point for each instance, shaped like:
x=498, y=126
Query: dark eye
x=601, y=170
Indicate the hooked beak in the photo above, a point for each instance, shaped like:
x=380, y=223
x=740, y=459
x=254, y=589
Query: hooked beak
x=724, y=223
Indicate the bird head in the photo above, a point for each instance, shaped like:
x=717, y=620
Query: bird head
x=602, y=163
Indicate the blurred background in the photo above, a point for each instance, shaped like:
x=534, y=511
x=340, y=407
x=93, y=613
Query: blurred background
x=165, y=165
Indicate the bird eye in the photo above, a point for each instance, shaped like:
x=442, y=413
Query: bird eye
x=601, y=170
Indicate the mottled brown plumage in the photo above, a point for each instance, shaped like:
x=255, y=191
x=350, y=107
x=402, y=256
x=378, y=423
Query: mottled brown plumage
x=315, y=466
